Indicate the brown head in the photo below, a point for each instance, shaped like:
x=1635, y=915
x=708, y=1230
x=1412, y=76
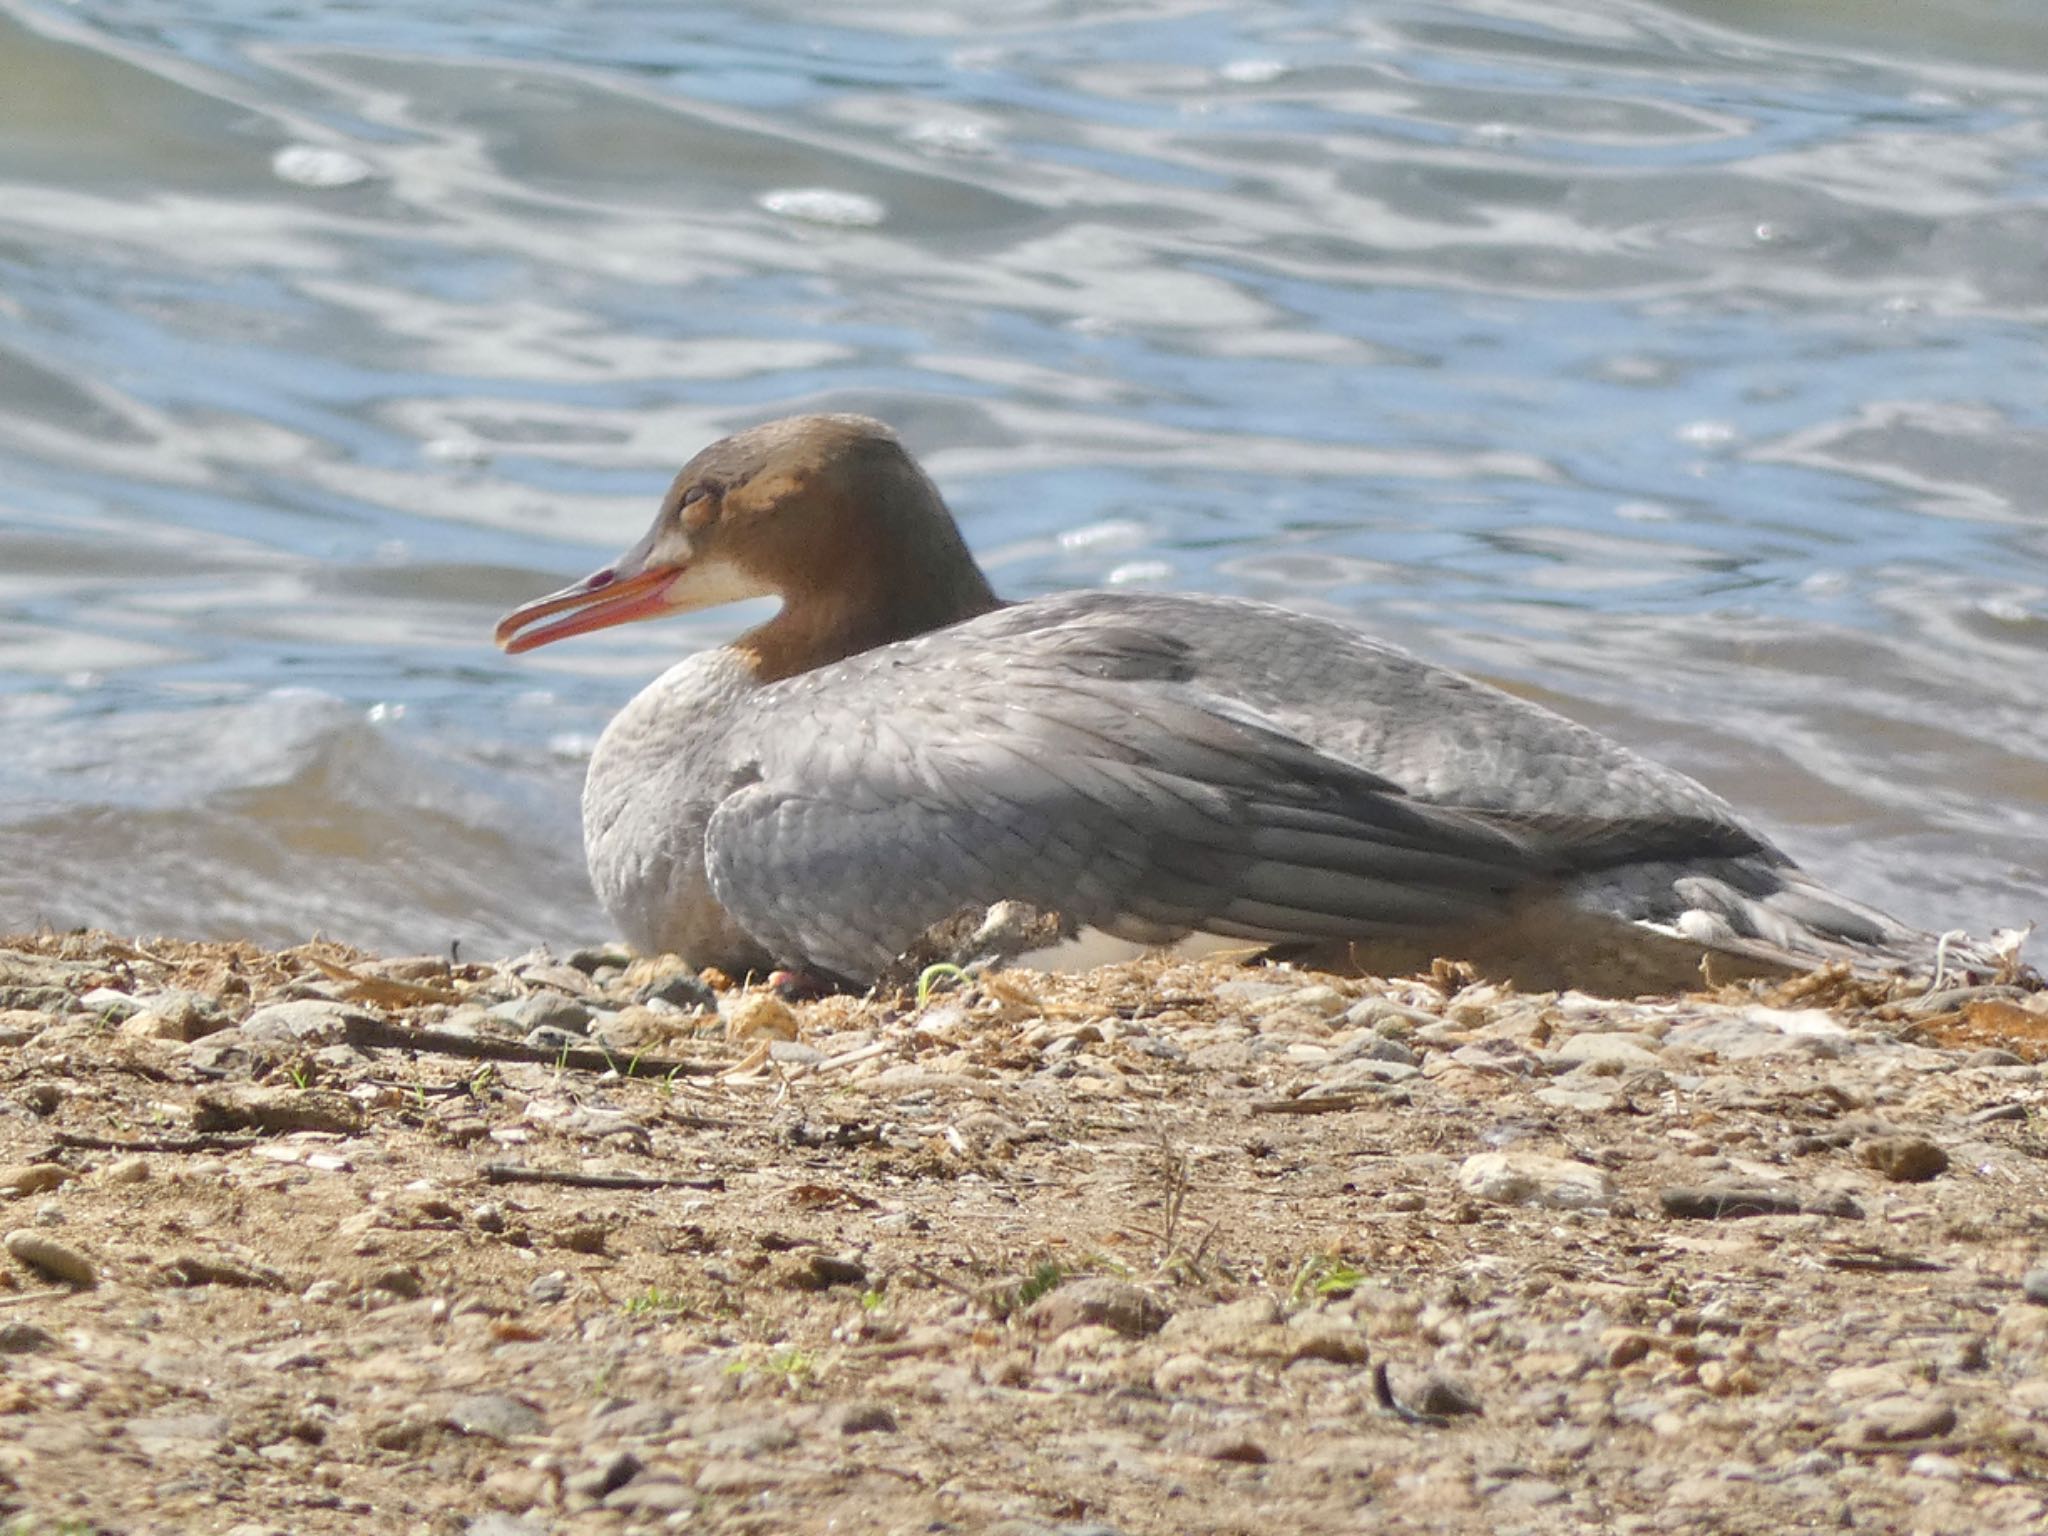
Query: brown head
x=829, y=513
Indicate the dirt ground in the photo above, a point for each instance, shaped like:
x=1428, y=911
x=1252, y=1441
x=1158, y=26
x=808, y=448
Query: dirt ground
x=309, y=1241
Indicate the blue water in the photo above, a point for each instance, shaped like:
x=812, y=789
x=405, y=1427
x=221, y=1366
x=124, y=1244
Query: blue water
x=1678, y=365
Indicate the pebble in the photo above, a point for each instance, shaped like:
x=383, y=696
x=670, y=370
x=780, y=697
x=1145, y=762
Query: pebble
x=308, y=1021
x=2034, y=1286
x=550, y=973
x=548, y=1038
x=1320, y=1337
x=57, y=1260
x=730, y=1475
x=497, y=1523
x=1444, y=1397
x=1530, y=1178
x=1496, y=1055
x=1904, y=1159
x=653, y=1494
x=858, y=1418
x=1901, y=1417
x=626, y=1419
x=25, y=1339
x=279, y=1111
x=495, y=1416
x=1763, y=1032
x=679, y=990
x=1728, y=1202
x=228, y=1053
x=1608, y=1048
x=1229, y=1445
x=821, y=1271
x=544, y=1010
x=18, y=1026
x=34, y=1178
x=1585, y=1101
x=178, y=1434
x=1114, y=1304
x=760, y=1016
x=594, y=1484
x=187, y=1015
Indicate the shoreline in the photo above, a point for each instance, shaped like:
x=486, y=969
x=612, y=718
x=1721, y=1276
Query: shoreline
x=559, y=1244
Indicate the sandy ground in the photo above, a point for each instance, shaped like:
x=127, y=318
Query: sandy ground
x=310, y=1241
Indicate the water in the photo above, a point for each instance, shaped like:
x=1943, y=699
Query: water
x=1678, y=365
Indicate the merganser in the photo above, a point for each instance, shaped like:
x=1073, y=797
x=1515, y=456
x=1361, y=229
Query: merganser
x=898, y=746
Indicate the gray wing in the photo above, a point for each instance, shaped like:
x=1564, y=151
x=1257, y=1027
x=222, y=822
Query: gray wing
x=1080, y=773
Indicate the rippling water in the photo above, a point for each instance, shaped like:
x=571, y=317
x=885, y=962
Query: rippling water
x=1679, y=365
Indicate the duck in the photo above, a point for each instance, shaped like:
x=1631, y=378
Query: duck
x=897, y=746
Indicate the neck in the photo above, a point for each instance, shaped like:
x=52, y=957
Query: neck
x=907, y=572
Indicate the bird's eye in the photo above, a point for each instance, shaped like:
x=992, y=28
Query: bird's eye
x=695, y=493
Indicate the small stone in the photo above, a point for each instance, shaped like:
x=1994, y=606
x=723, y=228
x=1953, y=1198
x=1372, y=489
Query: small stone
x=1584, y=1101
x=1229, y=1445
x=230, y=1053
x=497, y=1523
x=309, y=1021
x=652, y=1494
x=1993, y=1114
x=2034, y=1286
x=105, y=1000
x=821, y=1271
x=1902, y=1417
x=127, y=1170
x=180, y=1434
x=858, y=1419
x=679, y=990
x=55, y=1259
x=1112, y=1304
x=607, y=1477
x=1528, y=1492
x=186, y=1016
x=1608, y=1049
x=581, y=1237
x=544, y=1011
x=495, y=1416
x=563, y=978
x=1323, y=1338
x=401, y=1280
x=149, y=1026
x=18, y=1026
x=731, y=1475
x=1625, y=1347
x=34, y=1178
x=280, y=1111
x=195, y=1269
x=24, y=1339
x=1727, y=1202
x=627, y=1419
x=1444, y=1397
x=548, y=1288
x=1994, y=1056
x=760, y=1016
x=1529, y=1178
x=1904, y=1159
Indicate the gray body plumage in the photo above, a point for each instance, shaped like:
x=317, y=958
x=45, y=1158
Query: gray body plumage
x=1159, y=765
